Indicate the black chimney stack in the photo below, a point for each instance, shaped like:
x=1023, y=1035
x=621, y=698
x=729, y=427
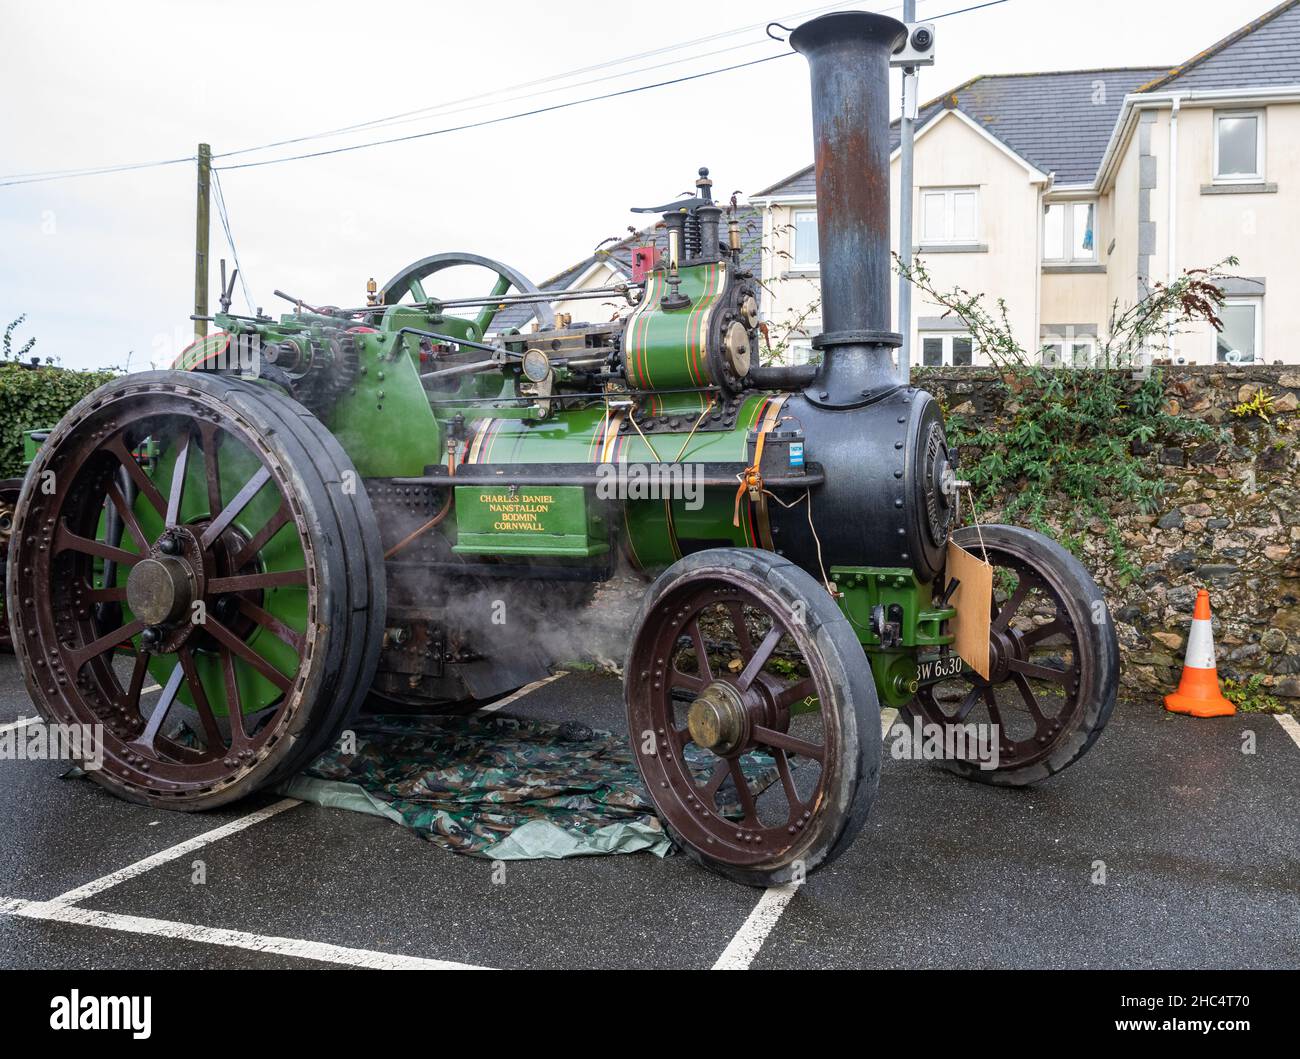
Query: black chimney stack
x=848, y=54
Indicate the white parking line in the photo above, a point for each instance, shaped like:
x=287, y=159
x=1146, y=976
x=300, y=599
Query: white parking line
x=742, y=948
x=58, y=912
x=526, y=689
x=22, y=722
x=1289, y=725
x=171, y=853
x=887, y=718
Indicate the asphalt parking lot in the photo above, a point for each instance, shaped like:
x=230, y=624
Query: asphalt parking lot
x=1198, y=842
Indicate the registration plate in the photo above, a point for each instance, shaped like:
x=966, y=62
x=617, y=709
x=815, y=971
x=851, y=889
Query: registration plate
x=941, y=668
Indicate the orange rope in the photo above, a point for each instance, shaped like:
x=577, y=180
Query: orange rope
x=751, y=479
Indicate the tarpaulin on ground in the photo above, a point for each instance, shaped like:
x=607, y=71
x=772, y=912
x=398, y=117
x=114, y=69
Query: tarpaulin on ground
x=501, y=787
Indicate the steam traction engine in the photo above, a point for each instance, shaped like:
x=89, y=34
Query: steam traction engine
x=272, y=539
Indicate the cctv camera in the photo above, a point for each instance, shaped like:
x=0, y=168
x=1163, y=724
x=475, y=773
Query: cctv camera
x=918, y=48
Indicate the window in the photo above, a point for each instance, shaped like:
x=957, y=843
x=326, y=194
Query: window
x=1070, y=232
x=1239, y=146
x=1078, y=352
x=949, y=215
x=1239, y=341
x=798, y=351
x=947, y=351
x=805, y=239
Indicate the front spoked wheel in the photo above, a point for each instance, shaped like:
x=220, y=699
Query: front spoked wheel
x=194, y=583
x=754, y=716
x=1053, y=664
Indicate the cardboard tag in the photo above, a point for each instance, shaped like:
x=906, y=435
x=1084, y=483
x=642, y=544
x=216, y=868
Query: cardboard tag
x=974, y=602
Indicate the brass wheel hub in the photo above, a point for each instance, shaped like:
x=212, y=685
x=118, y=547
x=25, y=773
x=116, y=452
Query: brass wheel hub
x=161, y=590
x=717, y=719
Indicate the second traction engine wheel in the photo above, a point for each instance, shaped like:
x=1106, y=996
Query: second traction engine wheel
x=1053, y=663
x=195, y=531
x=753, y=715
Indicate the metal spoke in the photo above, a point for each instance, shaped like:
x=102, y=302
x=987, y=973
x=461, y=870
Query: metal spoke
x=232, y=510
x=128, y=516
x=743, y=639
x=685, y=681
x=709, y=792
x=112, y=594
x=742, y=789
x=173, y=515
x=787, y=781
x=701, y=654
x=1033, y=669
x=142, y=481
x=995, y=715
x=79, y=658
x=785, y=741
x=1010, y=607
x=271, y=623
x=968, y=703
x=233, y=643
x=1031, y=700
x=249, y=582
x=759, y=658
x=259, y=540
x=211, y=468
x=129, y=700
x=145, y=739
x=234, y=702
x=1042, y=632
x=797, y=692
x=66, y=540
x=214, y=740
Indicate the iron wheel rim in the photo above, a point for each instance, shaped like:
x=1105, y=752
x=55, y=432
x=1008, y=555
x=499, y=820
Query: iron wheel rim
x=1019, y=675
x=59, y=613
x=690, y=809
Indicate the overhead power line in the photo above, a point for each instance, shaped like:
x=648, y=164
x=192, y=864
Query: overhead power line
x=962, y=11
x=224, y=214
x=11, y=179
x=509, y=117
x=48, y=175
x=446, y=109
x=479, y=99
x=67, y=174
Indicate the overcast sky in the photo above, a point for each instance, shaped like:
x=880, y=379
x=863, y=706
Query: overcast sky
x=103, y=265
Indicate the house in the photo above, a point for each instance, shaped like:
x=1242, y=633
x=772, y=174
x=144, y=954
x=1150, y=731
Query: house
x=1068, y=193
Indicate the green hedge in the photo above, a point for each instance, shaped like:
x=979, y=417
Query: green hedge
x=31, y=398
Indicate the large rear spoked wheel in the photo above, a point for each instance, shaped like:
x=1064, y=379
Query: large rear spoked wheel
x=753, y=714
x=196, y=573
x=1053, y=664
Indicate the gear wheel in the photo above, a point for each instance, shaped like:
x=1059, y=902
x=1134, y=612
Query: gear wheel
x=329, y=372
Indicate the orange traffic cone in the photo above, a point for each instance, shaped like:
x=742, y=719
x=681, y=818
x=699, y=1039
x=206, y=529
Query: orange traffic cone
x=1198, y=691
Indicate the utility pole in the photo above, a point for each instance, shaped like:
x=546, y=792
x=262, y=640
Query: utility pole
x=201, y=214
x=905, y=208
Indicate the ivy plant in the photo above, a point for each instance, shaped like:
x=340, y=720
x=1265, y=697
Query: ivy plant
x=1070, y=447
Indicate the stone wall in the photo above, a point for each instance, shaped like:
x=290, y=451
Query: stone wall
x=1229, y=522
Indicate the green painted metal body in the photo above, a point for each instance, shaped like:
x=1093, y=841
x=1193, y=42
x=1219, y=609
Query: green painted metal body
x=393, y=426
x=921, y=624
x=549, y=520
x=665, y=349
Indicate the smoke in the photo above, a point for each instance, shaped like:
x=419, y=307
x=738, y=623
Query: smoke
x=564, y=622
